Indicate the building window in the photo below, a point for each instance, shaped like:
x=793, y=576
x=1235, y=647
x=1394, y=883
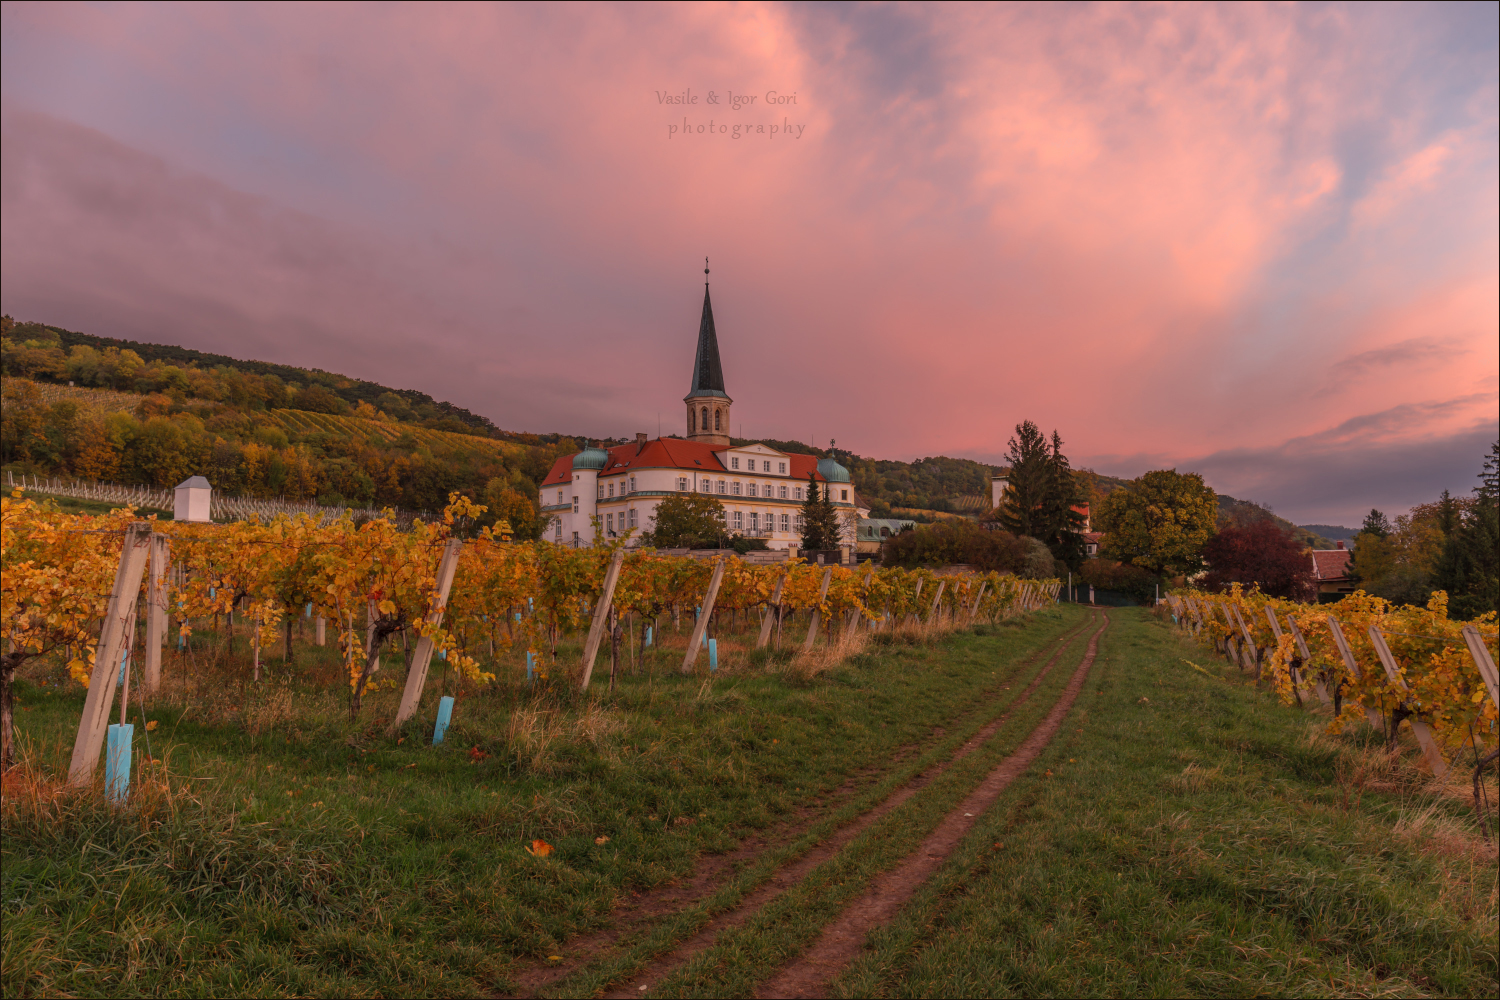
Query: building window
x=575, y=505
x=558, y=529
x=749, y=489
x=716, y=418
x=738, y=520
x=559, y=496
x=632, y=484
x=734, y=463
x=692, y=420
x=735, y=488
x=682, y=483
x=609, y=523
x=783, y=492
x=601, y=491
x=797, y=493
x=843, y=494
x=783, y=468
x=754, y=521
x=611, y=489
x=706, y=486
x=723, y=486
x=786, y=522
x=705, y=418
x=797, y=522
x=632, y=518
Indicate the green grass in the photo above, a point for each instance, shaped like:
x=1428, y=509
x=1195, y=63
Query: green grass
x=1204, y=841
x=1194, y=837
x=295, y=853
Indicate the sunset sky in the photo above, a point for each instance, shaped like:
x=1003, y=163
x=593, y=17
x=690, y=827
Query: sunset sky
x=1257, y=242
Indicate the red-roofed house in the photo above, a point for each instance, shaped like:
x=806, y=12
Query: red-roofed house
x=762, y=489
x=1331, y=571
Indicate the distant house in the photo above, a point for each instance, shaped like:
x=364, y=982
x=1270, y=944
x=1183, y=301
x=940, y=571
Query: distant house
x=873, y=531
x=1331, y=572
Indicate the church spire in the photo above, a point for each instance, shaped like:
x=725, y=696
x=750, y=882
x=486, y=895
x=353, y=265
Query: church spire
x=708, y=373
x=707, y=402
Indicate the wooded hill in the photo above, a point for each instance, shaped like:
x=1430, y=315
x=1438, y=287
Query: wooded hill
x=155, y=413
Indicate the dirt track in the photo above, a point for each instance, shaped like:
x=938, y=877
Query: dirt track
x=840, y=942
x=795, y=872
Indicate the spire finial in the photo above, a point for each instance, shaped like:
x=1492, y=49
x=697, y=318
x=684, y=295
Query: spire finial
x=705, y=267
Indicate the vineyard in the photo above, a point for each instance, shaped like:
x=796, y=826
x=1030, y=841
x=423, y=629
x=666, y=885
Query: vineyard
x=487, y=607
x=384, y=432
x=1365, y=660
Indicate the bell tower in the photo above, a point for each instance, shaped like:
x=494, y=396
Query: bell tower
x=707, y=402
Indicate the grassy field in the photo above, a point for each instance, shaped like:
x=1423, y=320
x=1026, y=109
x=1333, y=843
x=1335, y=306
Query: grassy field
x=1183, y=835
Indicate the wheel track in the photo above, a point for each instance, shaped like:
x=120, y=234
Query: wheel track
x=808, y=975
x=794, y=872
x=653, y=905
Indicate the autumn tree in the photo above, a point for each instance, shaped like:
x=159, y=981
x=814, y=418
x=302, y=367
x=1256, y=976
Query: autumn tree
x=1261, y=554
x=1469, y=565
x=1159, y=522
x=687, y=521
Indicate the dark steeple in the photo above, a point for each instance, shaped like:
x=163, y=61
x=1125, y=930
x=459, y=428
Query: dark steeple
x=708, y=374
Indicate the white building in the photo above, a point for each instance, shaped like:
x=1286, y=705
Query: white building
x=762, y=489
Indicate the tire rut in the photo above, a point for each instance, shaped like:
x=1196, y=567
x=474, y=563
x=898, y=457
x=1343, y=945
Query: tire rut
x=840, y=942
x=794, y=872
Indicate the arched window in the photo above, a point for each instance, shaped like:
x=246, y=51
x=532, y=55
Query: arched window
x=692, y=420
x=705, y=418
x=716, y=418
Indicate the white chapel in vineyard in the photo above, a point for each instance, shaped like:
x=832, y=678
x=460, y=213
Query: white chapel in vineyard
x=762, y=489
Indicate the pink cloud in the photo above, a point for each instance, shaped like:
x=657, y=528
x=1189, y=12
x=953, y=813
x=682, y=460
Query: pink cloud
x=1148, y=226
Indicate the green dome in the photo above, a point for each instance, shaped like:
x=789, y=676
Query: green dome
x=590, y=458
x=832, y=471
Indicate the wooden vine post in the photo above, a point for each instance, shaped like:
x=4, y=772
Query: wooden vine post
x=932, y=611
x=974, y=611
x=1418, y=727
x=817, y=612
x=1249, y=642
x=1481, y=654
x=114, y=640
x=601, y=617
x=156, y=608
x=772, y=612
x=1301, y=648
x=701, y=626
x=416, y=677
x=1372, y=715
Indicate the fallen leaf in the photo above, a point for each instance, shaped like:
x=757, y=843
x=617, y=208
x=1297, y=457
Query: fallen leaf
x=601, y=841
x=476, y=754
x=150, y=726
x=540, y=849
x=401, y=741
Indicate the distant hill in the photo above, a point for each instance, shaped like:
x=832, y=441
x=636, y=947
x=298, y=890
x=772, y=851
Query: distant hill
x=1336, y=532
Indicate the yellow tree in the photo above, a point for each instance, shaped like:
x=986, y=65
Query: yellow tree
x=58, y=573
x=1160, y=522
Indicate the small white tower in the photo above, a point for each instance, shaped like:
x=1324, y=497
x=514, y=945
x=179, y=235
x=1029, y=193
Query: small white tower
x=192, y=500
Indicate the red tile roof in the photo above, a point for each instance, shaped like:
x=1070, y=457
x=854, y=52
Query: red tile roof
x=1331, y=564
x=672, y=453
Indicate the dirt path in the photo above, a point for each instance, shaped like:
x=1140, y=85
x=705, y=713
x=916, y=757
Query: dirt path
x=793, y=873
x=840, y=942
